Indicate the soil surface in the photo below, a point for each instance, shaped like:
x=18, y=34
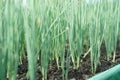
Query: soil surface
x=82, y=73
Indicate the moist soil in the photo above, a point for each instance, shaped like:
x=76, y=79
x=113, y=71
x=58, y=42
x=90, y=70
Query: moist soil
x=82, y=73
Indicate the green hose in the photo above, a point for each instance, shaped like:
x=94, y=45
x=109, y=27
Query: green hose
x=110, y=74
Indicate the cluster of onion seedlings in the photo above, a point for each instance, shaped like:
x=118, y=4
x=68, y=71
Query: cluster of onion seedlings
x=43, y=28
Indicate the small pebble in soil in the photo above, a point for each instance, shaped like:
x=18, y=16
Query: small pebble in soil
x=73, y=79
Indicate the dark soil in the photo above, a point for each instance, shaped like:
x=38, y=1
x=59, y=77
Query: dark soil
x=82, y=73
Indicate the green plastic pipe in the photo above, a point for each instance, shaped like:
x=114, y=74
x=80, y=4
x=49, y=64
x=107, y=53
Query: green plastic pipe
x=110, y=74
